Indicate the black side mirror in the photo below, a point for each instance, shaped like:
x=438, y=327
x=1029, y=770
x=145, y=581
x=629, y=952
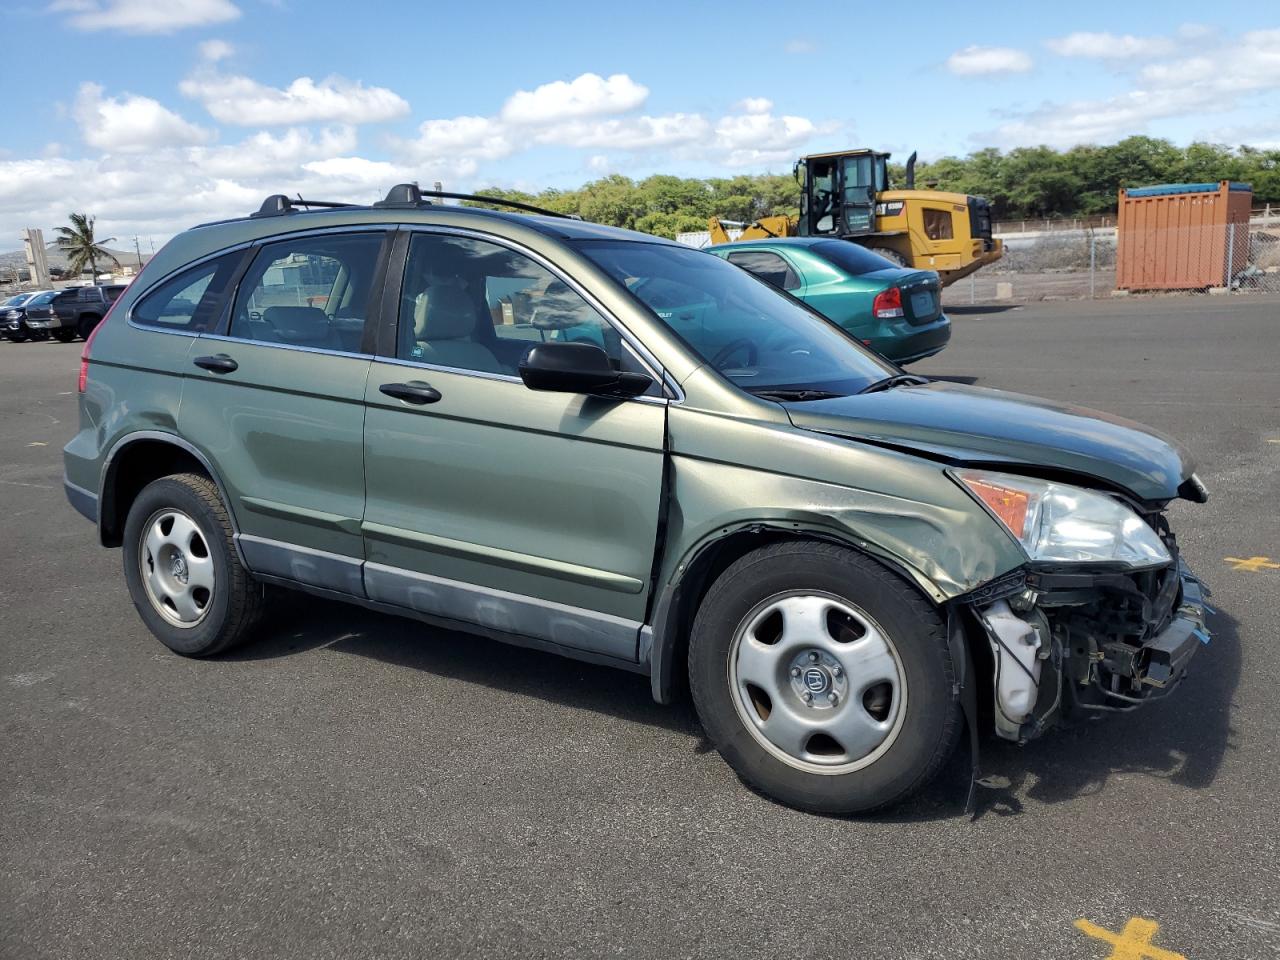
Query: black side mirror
x=578, y=368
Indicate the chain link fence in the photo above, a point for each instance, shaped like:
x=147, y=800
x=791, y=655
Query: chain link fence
x=1082, y=264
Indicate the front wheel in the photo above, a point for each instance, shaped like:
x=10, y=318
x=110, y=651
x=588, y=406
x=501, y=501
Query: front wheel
x=824, y=680
x=181, y=566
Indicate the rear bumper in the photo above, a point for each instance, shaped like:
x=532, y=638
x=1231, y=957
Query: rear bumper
x=907, y=343
x=84, y=501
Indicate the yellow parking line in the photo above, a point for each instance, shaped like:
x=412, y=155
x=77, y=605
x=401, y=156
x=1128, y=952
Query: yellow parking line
x=1252, y=564
x=1131, y=943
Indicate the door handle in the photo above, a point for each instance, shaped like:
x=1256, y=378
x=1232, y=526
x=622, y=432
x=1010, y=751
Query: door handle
x=218, y=363
x=415, y=391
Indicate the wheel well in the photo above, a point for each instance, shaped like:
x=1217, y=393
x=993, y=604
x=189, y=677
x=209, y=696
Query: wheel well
x=133, y=468
x=669, y=677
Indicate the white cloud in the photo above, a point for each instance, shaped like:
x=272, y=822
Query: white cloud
x=588, y=95
x=758, y=139
x=799, y=45
x=156, y=174
x=755, y=105
x=470, y=137
x=628, y=133
x=130, y=123
x=264, y=154
x=978, y=61
x=1210, y=83
x=145, y=16
x=245, y=102
x=1110, y=46
x=214, y=50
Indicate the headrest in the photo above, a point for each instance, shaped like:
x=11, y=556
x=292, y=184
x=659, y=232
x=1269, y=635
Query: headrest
x=558, y=308
x=300, y=325
x=450, y=314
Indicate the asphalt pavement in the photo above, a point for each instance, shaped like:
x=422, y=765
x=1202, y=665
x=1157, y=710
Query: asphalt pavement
x=355, y=785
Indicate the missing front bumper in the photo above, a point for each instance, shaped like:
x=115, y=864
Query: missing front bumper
x=1081, y=644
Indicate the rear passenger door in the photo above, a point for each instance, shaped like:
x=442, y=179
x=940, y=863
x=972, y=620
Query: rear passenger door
x=276, y=397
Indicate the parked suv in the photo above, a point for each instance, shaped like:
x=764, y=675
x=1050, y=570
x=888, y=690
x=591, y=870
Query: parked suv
x=73, y=312
x=489, y=421
x=13, y=316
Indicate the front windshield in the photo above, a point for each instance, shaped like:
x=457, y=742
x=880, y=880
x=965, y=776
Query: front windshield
x=758, y=338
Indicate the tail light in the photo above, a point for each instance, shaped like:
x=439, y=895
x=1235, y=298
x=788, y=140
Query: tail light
x=88, y=345
x=888, y=304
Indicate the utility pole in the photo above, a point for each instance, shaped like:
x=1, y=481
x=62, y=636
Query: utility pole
x=137, y=250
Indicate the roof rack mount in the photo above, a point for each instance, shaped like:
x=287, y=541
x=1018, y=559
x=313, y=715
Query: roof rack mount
x=277, y=205
x=409, y=195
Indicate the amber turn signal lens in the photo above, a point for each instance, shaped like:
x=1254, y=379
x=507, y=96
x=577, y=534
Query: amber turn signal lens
x=1009, y=505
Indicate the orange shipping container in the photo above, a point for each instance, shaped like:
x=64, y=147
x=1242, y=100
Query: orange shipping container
x=1179, y=236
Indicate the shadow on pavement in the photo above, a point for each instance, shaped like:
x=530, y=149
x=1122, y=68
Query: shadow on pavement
x=977, y=309
x=300, y=623
x=1183, y=739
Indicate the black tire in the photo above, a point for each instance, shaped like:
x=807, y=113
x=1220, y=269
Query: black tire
x=86, y=325
x=893, y=256
x=930, y=725
x=64, y=336
x=236, y=600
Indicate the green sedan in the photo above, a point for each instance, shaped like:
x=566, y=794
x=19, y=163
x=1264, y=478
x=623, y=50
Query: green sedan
x=893, y=310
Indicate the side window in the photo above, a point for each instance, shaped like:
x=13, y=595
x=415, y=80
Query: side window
x=309, y=292
x=189, y=301
x=937, y=224
x=767, y=266
x=480, y=306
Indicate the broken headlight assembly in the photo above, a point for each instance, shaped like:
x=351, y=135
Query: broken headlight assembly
x=1104, y=616
x=1059, y=523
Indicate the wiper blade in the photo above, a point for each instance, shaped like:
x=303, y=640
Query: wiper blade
x=897, y=380
x=796, y=395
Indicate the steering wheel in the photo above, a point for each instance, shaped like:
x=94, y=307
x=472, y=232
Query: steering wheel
x=732, y=347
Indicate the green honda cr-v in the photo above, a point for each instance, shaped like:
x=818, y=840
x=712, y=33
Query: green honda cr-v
x=495, y=422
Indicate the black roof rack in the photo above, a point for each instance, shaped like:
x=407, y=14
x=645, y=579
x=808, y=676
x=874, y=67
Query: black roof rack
x=401, y=196
x=409, y=195
x=277, y=205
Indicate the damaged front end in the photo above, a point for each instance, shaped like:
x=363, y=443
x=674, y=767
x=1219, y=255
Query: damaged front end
x=1075, y=639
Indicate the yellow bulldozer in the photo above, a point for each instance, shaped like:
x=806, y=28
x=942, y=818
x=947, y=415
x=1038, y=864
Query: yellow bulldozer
x=847, y=195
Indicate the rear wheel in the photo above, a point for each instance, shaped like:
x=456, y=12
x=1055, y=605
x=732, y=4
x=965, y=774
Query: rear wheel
x=824, y=680
x=184, y=576
x=891, y=255
x=86, y=325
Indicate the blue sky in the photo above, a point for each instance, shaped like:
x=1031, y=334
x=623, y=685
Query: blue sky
x=153, y=114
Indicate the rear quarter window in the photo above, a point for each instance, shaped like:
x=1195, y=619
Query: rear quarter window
x=190, y=301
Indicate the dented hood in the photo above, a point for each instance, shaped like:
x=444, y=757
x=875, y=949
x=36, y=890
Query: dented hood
x=976, y=425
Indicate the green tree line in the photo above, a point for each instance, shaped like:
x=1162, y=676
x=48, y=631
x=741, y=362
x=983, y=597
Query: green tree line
x=1027, y=182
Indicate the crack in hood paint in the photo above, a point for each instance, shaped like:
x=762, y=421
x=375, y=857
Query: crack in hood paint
x=986, y=427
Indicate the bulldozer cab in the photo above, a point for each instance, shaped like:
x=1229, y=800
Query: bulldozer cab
x=838, y=192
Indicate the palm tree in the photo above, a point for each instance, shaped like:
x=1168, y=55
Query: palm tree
x=80, y=246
